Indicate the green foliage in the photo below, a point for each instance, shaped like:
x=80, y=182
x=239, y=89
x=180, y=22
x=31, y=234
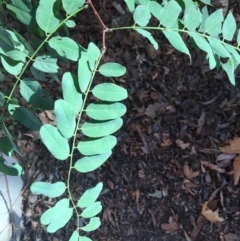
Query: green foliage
x=48, y=21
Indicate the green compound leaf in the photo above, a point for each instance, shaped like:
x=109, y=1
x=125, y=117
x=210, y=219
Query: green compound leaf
x=112, y=69
x=109, y=92
x=14, y=170
x=6, y=41
x=37, y=74
x=70, y=94
x=149, y=36
x=65, y=47
x=205, y=15
x=229, y=69
x=168, y=16
x=48, y=189
x=21, y=10
x=91, y=163
x=25, y=117
x=92, y=225
x=45, y=16
x=90, y=146
x=9, y=137
x=213, y=24
x=229, y=27
x=208, y=2
x=155, y=9
x=54, y=141
x=105, y=111
x=46, y=64
x=192, y=18
x=71, y=6
x=218, y=48
x=70, y=23
x=238, y=37
x=93, y=53
x=75, y=237
x=2, y=99
x=57, y=216
x=6, y=146
x=92, y=210
x=176, y=41
x=202, y=43
x=130, y=4
x=100, y=129
x=233, y=51
x=11, y=66
x=90, y=196
x=84, y=73
x=33, y=93
x=141, y=15
x=65, y=118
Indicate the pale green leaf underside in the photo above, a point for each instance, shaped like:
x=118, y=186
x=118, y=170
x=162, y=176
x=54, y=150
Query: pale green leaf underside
x=149, y=36
x=90, y=146
x=192, y=18
x=45, y=16
x=65, y=118
x=71, y=6
x=70, y=94
x=75, y=237
x=92, y=210
x=93, y=53
x=100, y=129
x=109, y=92
x=213, y=24
x=229, y=27
x=112, y=69
x=130, y=4
x=91, y=163
x=57, y=216
x=90, y=196
x=66, y=47
x=46, y=64
x=141, y=15
x=55, y=142
x=92, y=225
x=105, y=111
x=48, y=189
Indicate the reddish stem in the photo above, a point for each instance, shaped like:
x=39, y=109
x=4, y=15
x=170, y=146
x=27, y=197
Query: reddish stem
x=105, y=28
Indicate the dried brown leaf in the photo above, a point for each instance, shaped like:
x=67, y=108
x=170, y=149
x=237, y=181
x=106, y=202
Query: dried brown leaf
x=181, y=144
x=210, y=215
x=170, y=227
x=236, y=169
x=231, y=237
x=189, y=173
x=155, y=110
x=213, y=167
x=232, y=146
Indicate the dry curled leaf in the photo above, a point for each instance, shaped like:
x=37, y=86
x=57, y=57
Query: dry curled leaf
x=172, y=226
x=189, y=173
x=210, y=215
x=181, y=144
x=155, y=109
x=231, y=146
x=236, y=169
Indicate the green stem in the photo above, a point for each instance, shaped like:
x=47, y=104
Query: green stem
x=18, y=77
x=75, y=134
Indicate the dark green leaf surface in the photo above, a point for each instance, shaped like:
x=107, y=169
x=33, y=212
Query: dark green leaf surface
x=6, y=146
x=33, y=93
x=14, y=170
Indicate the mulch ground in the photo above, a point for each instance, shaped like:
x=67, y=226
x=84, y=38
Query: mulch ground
x=159, y=175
